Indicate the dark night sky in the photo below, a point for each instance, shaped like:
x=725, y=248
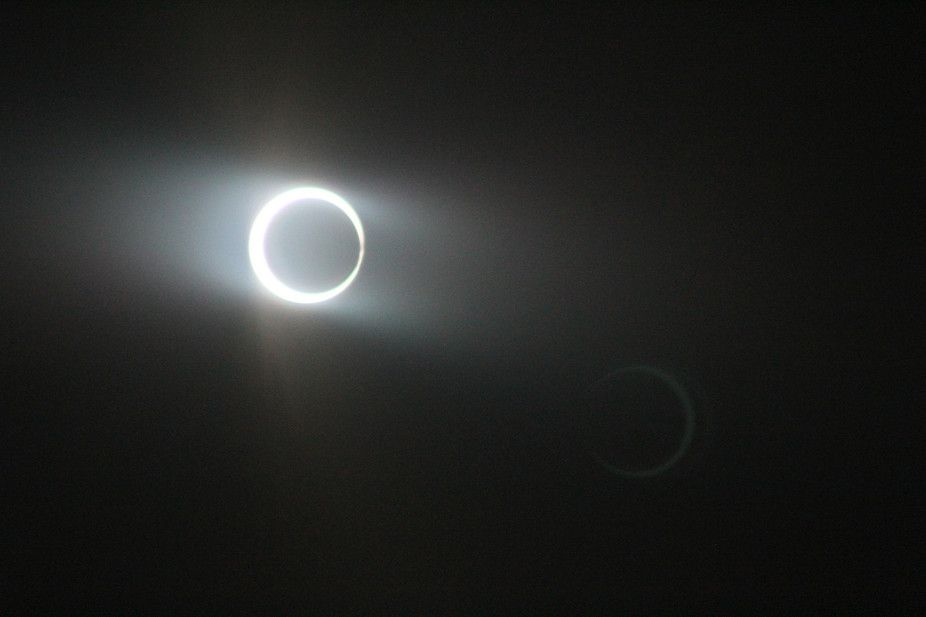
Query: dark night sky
x=728, y=196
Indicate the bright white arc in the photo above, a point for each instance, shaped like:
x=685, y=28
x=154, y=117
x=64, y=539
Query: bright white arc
x=262, y=223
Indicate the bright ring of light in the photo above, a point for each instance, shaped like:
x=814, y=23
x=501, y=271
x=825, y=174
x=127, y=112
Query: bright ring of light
x=258, y=235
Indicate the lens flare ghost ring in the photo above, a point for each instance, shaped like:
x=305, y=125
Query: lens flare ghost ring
x=679, y=392
x=264, y=220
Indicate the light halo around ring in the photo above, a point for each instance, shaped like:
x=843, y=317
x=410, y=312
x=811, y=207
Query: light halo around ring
x=258, y=235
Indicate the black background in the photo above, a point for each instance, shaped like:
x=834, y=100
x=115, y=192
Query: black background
x=549, y=195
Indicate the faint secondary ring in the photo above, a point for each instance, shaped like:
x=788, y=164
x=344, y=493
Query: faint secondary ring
x=687, y=436
x=262, y=223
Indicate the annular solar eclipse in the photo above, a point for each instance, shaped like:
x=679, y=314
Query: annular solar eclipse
x=302, y=196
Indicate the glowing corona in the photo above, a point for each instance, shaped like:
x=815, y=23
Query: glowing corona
x=262, y=223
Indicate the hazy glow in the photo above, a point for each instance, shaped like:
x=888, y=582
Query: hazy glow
x=262, y=223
